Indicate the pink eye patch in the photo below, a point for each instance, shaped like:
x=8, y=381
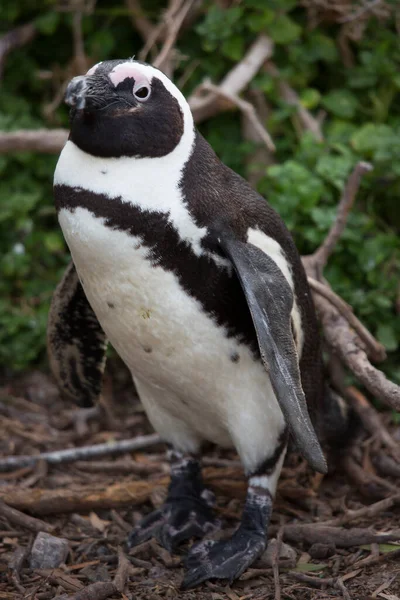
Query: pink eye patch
x=125, y=70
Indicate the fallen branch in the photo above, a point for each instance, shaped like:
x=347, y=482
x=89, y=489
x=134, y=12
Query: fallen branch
x=313, y=533
x=247, y=108
x=322, y=582
x=25, y=521
x=204, y=107
x=96, y=591
x=84, y=452
x=123, y=493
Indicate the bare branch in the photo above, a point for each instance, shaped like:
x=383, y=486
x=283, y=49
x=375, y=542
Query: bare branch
x=247, y=108
x=291, y=97
x=173, y=24
x=48, y=141
x=234, y=82
x=143, y=25
x=15, y=39
x=81, y=453
x=375, y=350
x=346, y=202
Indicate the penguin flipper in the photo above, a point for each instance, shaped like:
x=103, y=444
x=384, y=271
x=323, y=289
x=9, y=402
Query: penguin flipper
x=76, y=343
x=270, y=300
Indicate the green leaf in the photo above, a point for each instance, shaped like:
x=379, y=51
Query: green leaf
x=233, y=48
x=310, y=98
x=387, y=336
x=341, y=103
x=48, y=23
x=284, y=30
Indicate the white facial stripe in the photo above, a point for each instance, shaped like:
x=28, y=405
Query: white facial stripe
x=274, y=251
x=93, y=69
x=125, y=70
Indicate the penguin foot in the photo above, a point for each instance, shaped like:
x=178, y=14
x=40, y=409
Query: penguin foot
x=178, y=520
x=225, y=559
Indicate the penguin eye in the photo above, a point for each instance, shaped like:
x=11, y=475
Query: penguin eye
x=142, y=93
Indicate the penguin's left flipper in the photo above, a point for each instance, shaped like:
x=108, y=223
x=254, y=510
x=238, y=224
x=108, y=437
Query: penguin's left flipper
x=270, y=300
x=76, y=343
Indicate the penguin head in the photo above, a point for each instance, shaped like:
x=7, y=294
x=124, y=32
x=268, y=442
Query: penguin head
x=127, y=108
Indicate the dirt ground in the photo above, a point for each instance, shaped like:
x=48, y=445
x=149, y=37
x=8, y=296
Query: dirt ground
x=34, y=419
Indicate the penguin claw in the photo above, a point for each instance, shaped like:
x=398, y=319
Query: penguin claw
x=225, y=559
x=175, y=523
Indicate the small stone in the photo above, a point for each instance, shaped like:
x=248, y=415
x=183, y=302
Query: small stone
x=287, y=554
x=48, y=551
x=322, y=550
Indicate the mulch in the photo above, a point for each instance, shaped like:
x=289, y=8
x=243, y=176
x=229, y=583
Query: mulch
x=315, y=519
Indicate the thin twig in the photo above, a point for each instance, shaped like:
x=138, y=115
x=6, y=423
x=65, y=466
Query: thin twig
x=82, y=453
x=79, y=47
x=143, y=25
x=375, y=350
x=349, y=193
x=174, y=24
x=366, y=512
x=247, y=108
x=291, y=97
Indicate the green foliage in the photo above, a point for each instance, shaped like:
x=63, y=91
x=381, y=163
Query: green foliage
x=361, y=121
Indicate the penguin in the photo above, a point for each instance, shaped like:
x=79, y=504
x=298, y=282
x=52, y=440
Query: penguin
x=196, y=282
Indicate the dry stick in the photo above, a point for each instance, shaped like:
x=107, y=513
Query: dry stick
x=19, y=518
x=313, y=533
x=375, y=350
x=48, y=141
x=160, y=30
x=174, y=27
x=247, y=108
x=96, y=591
x=123, y=493
x=81, y=453
x=322, y=582
x=291, y=97
x=123, y=571
x=346, y=202
x=79, y=48
x=234, y=82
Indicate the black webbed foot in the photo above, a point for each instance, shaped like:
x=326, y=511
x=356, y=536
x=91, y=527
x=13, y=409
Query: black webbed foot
x=226, y=559
x=186, y=513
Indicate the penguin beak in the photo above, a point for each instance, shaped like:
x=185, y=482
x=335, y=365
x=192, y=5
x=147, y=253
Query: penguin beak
x=75, y=96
